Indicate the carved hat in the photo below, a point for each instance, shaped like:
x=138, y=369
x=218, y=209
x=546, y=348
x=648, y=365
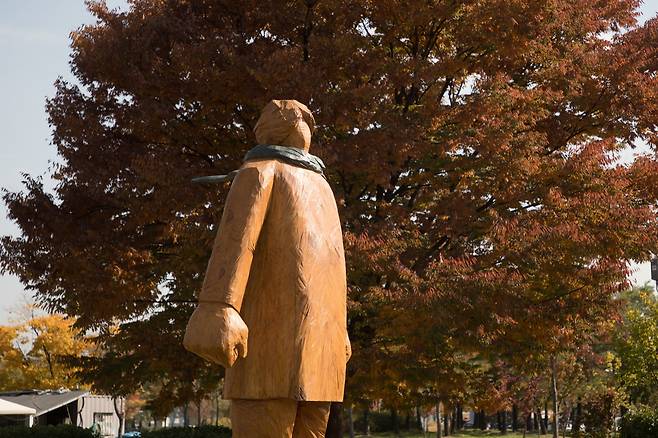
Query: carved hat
x=281, y=118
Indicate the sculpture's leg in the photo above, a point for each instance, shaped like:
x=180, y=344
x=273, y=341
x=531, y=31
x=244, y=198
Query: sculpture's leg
x=263, y=418
x=311, y=420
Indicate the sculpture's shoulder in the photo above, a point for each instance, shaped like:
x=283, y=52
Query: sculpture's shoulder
x=273, y=172
x=261, y=165
x=273, y=166
x=260, y=171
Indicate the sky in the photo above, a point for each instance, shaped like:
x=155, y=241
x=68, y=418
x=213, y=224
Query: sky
x=34, y=49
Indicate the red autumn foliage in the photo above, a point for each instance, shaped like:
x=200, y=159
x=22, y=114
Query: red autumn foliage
x=471, y=145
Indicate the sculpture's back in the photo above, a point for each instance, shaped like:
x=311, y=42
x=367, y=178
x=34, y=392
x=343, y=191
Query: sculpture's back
x=278, y=265
x=294, y=304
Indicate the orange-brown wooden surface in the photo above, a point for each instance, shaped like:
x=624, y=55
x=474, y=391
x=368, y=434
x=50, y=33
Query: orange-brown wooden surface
x=278, y=260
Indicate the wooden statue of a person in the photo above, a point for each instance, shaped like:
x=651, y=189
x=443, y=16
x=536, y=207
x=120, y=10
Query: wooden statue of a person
x=272, y=308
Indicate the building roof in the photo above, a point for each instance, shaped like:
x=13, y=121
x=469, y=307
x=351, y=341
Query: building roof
x=42, y=401
x=9, y=408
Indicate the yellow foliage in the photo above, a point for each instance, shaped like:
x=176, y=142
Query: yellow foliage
x=36, y=354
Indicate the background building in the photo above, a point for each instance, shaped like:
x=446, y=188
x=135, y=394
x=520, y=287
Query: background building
x=79, y=408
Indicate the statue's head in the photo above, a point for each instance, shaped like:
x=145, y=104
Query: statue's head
x=285, y=123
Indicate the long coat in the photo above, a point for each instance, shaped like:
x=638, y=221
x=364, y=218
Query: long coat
x=278, y=259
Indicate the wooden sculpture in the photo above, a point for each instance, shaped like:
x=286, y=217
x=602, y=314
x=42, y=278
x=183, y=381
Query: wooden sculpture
x=272, y=308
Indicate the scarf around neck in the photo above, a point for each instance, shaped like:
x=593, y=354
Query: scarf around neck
x=294, y=156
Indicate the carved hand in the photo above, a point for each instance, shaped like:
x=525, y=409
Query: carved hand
x=217, y=333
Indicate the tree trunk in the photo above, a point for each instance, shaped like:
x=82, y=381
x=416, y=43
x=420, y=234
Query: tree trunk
x=528, y=423
x=419, y=420
x=335, y=423
x=546, y=416
x=483, y=420
x=396, y=424
x=438, y=419
x=453, y=420
x=186, y=420
x=198, y=412
x=577, y=419
x=366, y=418
x=350, y=419
x=216, y=410
x=503, y=425
x=120, y=411
x=623, y=416
x=407, y=421
x=446, y=424
x=542, y=423
x=460, y=417
x=540, y=420
x=216, y=406
x=567, y=418
x=556, y=421
x=515, y=418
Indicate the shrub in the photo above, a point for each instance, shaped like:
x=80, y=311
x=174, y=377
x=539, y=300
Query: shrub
x=599, y=410
x=190, y=432
x=380, y=421
x=62, y=431
x=640, y=423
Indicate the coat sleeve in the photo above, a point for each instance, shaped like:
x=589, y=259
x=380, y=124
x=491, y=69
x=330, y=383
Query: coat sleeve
x=244, y=212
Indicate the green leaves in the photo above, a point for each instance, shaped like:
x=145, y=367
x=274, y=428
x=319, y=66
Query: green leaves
x=636, y=346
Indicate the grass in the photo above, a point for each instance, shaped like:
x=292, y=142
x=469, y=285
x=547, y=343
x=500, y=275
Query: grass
x=465, y=433
x=509, y=434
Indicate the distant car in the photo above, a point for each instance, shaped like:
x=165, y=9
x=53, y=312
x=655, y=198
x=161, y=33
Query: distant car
x=134, y=434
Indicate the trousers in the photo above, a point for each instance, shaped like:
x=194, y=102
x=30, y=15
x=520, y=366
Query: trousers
x=279, y=418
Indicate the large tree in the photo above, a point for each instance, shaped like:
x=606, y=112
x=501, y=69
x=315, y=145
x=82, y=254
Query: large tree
x=471, y=146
